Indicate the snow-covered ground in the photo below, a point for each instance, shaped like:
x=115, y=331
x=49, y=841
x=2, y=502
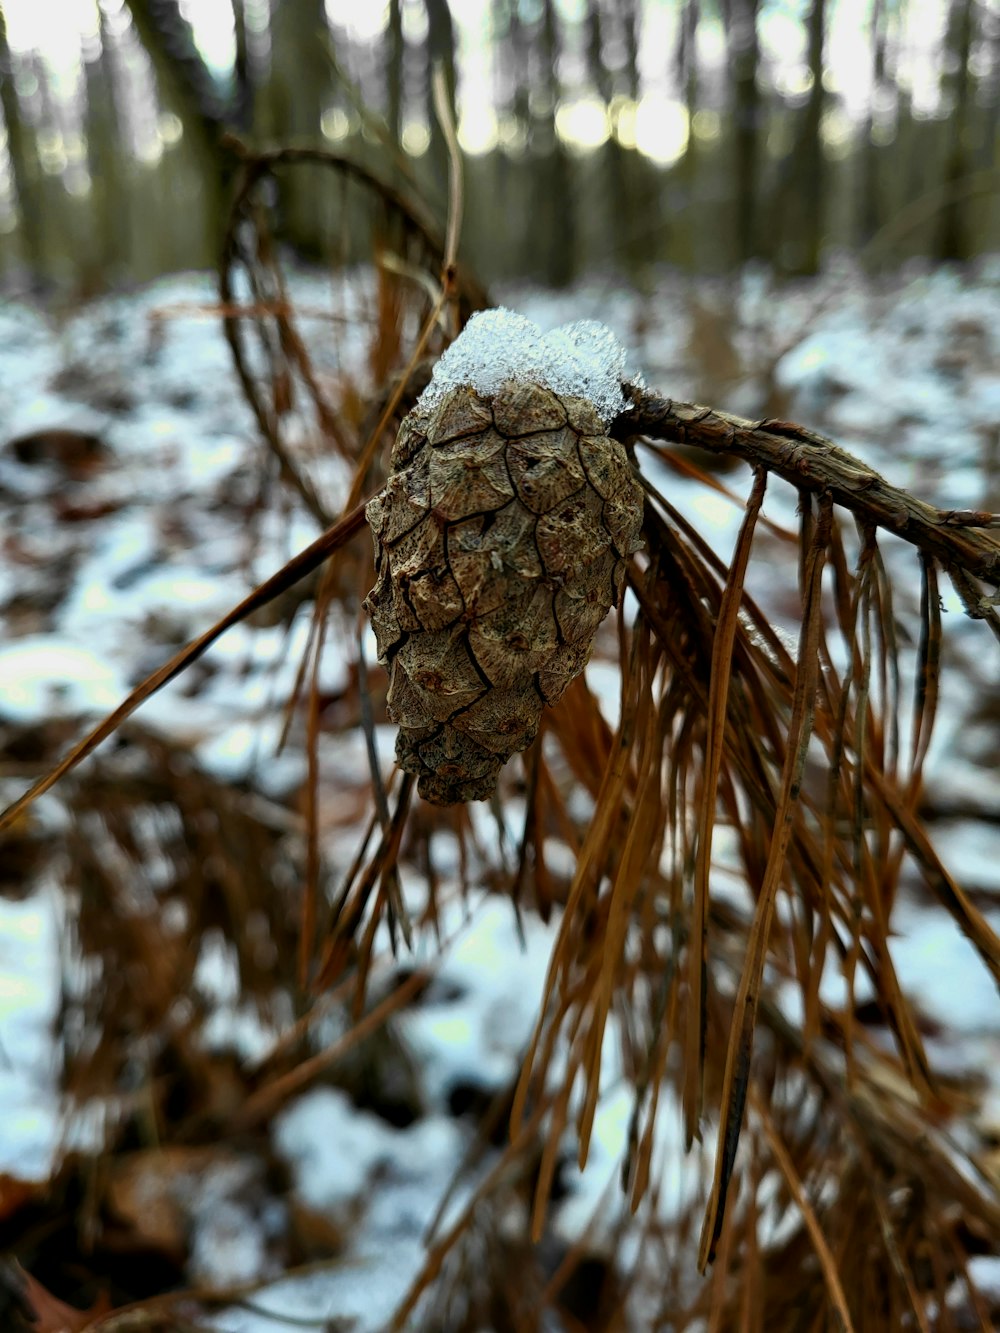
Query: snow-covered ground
x=107, y=564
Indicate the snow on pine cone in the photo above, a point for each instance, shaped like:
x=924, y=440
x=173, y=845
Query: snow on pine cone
x=501, y=538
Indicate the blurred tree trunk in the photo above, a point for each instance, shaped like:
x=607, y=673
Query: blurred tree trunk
x=109, y=189
x=987, y=155
x=301, y=75
x=952, y=241
x=990, y=96
x=55, y=207
x=440, y=53
x=553, y=214
x=628, y=17
x=616, y=208
x=243, y=71
x=686, y=74
x=869, y=211
x=740, y=18
x=597, y=70
x=634, y=244
x=24, y=165
x=188, y=88
x=804, y=180
x=508, y=249
x=811, y=180
x=394, y=70
x=909, y=165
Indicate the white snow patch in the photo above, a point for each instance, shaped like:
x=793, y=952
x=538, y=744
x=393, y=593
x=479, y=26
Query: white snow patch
x=583, y=359
x=46, y=675
x=481, y=1035
x=249, y=750
x=971, y=848
x=29, y=1002
x=595, y=1200
x=332, y=1147
x=984, y=1274
x=229, y=1240
x=941, y=971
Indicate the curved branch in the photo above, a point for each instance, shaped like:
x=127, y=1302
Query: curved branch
x=958, y=539
x=254, y=167
x=261, y=163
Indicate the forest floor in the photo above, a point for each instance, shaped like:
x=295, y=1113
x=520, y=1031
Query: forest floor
x=134, y=511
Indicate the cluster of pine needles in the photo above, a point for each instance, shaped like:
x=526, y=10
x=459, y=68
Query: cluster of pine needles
x=829, y=1190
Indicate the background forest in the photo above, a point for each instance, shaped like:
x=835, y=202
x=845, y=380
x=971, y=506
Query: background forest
x=596, y=133
x=691, y=1026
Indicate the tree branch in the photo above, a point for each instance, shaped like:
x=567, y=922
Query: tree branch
x=957, y=538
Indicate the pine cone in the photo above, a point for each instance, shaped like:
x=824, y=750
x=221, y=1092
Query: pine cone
x=500, y=541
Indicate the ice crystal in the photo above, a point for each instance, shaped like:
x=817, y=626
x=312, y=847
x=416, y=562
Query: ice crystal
x=497, y=347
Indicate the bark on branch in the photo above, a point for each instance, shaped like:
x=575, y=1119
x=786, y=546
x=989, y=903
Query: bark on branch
x=958, y=539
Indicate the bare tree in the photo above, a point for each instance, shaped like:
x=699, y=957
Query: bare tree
x=23, y=157
x=440, y=51
x=801, y=186
x=740, y=17
x=395, y=49
x=869, y=210
x=104, y=139
x=953, y=241
x=187, y=85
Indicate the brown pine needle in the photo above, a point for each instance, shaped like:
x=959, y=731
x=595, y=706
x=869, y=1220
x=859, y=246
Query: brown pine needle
x=718, y=695
x=737, y=1073
x=787, y=1169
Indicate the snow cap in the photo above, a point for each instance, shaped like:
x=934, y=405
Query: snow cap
x=582, y=360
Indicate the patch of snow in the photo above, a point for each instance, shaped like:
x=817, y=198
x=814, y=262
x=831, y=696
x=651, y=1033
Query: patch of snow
x=29, y=1003
x=247, y=751
x=595, y=1199
x=984, y=1274
x=46, y=675
x=971, y=851
x=362, y=1293
x=496, y=982
x=583, y=359
x=229, y=1225
x=228, y=1246
x=941, y=971
x=332, y=1147
x=605, y=684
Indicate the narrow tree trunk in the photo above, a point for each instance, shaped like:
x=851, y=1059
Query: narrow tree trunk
x=628, y=17
x=24, y=165
x=188, y=87
x=296, y=91
x=616, y=204
x=394, y=70
x=243, y=71
x=869, y=211
x=953, y=241
x=553, y=211
x=744, y=56
x=811, y=174
x=440, y=53
x=109, y=190
x=686, y=71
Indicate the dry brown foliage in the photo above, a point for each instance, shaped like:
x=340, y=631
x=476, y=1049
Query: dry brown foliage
x=836, y=1195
